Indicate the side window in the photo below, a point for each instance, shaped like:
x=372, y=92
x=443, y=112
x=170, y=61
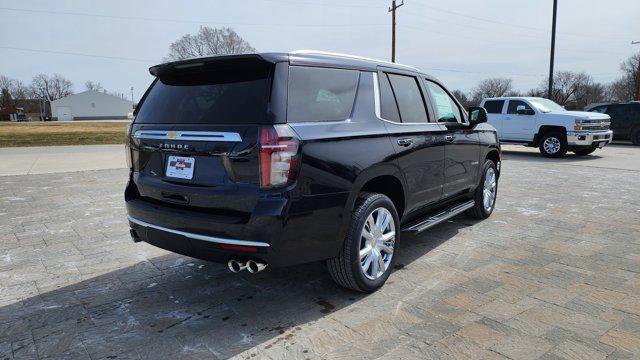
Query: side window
x=494, y=106
x=409, y=98
x=447, y=110
x=599, y=109
x=388, y=106
x=513, y=106
x=320, y=94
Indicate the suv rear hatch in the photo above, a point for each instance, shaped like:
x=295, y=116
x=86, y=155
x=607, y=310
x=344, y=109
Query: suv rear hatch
x=195, y=140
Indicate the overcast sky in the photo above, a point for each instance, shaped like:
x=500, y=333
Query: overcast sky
x=458, y=41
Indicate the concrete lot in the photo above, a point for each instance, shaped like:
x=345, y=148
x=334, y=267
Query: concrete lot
x=554, y=273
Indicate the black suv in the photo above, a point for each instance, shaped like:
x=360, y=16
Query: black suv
x=625, y=119
x=286, y=158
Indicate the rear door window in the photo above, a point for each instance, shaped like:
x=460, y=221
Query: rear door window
x=409, y=98
x=494, y=106
x=447, y=110
x=208, y=97
x=320, y=94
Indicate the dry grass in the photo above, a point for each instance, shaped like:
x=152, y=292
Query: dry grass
x=61, y=133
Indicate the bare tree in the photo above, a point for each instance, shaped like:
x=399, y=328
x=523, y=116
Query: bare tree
x=209, y=41
x=625, y=87
x=5, y=100
x=494, y=87
x=573, y=90
x=93, y=86
x=51, y=87
x=15, y=88
x=590, y=93
x=463, y=98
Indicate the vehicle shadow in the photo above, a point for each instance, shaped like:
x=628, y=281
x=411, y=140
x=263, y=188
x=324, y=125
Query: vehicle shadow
x=537, y=157
x=174, y=306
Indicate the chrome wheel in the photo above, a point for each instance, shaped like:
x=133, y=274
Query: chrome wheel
x=376, y=243
x=489, y=189
x=552, y=145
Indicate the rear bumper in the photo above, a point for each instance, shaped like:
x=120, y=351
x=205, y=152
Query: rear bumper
x=581, y=138
x=281, y=231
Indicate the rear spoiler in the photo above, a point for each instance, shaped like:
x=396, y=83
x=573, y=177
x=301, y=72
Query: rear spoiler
x=216, y=62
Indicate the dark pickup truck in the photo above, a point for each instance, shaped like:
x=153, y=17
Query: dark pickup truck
x=277, y=159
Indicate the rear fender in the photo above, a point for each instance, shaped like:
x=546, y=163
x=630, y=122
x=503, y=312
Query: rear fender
x=385, y=169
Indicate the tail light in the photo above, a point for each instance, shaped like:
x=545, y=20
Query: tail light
x=127, y=148
x=278, y=156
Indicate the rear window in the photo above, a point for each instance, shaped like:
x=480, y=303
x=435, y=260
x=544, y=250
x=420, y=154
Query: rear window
x=320, y=94
x=494, y=106
x=225, y=96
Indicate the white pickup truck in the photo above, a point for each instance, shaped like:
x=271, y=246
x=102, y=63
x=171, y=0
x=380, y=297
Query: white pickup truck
x=542, y=123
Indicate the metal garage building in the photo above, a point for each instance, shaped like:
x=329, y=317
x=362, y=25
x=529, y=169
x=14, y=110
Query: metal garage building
x=90, y=105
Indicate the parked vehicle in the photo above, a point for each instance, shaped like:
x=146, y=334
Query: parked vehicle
x=286, y=158
x=542, y=123
x=625, y=119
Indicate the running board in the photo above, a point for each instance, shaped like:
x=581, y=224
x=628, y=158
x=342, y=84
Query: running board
x=422, y=225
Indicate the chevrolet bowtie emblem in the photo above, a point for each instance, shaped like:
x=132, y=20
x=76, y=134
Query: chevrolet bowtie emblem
x=172, y=135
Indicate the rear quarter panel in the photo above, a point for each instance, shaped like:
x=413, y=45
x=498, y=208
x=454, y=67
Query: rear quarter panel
x=336, y=159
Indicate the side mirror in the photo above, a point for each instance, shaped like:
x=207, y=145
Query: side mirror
x=477, y=115
x=522, y=110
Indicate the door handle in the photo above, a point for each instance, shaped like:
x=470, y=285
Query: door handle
x=449, y=138
x=405, y=142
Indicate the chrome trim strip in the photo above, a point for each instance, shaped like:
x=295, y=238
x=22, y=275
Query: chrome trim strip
x=188, y=135
x=376, y=95
x=212, y=239
x=376, y=101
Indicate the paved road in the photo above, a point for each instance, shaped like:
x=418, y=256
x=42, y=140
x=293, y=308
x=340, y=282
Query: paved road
x=613, y=156
x=554, y=273
x=56, y=159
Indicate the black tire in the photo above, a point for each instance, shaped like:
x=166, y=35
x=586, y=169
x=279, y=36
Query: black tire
x=561, y=138
x=345, y=269
x=478, y=211
x=584, y=152
x=635, y=137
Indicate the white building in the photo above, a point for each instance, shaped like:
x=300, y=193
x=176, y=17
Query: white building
x=90, y=105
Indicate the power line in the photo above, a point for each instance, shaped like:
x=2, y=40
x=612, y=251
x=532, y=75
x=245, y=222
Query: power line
x=511, y=24
x=502, y=42
x=76, y=54
x=200, y=22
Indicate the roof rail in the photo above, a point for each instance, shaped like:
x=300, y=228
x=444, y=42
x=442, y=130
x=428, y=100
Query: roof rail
x=317, y=52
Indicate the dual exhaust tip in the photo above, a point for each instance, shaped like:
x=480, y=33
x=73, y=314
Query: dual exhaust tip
x=252, y=266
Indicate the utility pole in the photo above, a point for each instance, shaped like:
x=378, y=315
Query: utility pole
x=132, y=98
x=637, y=74
x=553, y=48
x=392, y=10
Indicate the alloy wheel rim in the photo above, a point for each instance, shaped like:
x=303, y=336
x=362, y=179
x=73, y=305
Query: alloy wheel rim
x=489, y=189
x=551, y=145
x=377, y=240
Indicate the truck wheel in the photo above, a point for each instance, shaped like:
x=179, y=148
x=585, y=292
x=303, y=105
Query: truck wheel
x=584, y=152
x=486, y=192
x=635, y=137
x=368, y=253
x=553, y=145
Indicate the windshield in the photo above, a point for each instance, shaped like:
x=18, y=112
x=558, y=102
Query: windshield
x=546, y=105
